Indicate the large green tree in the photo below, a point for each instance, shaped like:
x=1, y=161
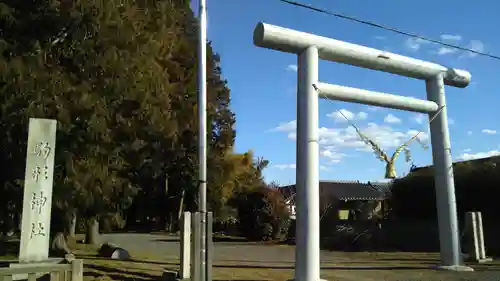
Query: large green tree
x=120, y=77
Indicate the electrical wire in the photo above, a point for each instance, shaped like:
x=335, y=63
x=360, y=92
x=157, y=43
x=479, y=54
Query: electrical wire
x=395, y=30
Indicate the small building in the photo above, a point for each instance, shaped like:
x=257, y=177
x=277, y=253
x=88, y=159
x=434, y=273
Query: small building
x=346, y=200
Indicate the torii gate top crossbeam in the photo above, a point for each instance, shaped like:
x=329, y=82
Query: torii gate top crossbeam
x=292, y=41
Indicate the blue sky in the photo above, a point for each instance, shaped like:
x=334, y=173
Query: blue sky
x=263, y=82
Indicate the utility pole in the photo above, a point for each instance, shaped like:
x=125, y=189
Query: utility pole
x=202, y=156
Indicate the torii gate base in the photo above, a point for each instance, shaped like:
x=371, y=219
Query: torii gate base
x=309, y=49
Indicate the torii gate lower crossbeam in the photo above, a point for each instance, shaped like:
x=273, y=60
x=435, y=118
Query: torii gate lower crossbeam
x=309, y=49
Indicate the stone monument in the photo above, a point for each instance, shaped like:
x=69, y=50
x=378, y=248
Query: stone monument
x=37, y=200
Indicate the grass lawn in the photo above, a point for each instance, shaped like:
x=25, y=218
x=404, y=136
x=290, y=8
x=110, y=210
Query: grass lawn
x=363, y=266
x=387, y=266
x=349, y=267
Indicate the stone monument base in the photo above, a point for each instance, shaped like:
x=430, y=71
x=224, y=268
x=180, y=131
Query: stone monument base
x=48, y=261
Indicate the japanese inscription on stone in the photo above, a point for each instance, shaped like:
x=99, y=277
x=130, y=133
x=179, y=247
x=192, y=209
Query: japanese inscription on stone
x=38, y=190
x=38, y=201
x=37, y=229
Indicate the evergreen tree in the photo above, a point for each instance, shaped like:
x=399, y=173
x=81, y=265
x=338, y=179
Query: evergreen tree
x=120, y=77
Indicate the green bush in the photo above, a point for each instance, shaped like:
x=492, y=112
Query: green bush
x=263, y=214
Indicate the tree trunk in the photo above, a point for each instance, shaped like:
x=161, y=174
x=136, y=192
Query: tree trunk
x=59, y=246
x=92, y=231
x=72, y=225
x=18, y=219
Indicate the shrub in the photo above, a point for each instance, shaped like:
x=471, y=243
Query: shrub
x=476, y=188
x=263, y=214
x=413, y=205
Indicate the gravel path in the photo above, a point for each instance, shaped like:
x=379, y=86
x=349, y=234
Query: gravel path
x=169, y=247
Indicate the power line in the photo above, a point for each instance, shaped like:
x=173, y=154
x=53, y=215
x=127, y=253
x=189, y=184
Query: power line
x=373, y=24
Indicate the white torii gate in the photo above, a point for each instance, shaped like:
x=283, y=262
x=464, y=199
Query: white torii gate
x=309, y=48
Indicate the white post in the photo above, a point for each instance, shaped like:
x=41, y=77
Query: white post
x=480, y=234
x=185, y=246
x=472, y=222
x=474, y=226
x=307, y=260
x=443, y=174
x=195, y=247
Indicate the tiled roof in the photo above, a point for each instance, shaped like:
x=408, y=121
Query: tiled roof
x=384, y=187
x=346, y=190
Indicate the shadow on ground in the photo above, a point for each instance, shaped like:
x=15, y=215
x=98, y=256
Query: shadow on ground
x=118, y=274
x=385, y=268
x=216, y=239
x=130, y=275
x=246, y=264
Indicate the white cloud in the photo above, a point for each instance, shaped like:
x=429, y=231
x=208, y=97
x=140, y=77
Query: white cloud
x=450, y=37
x=385, y=136
x=361, y=115
x=330, y=153
x=446, y=51
x=286, y=127
x=323, y=168
x=470, y=156
x=419, y=118
x=414, y=44
x=489, y=132
x=475, y=45
x=392, y=119
x=294, y=166
x=374, y=108
x=335, y=142
x=292, y=67
x=332, y=140
x=337, y=116
x=469, y=133
x=284, y=166
x=467, y=150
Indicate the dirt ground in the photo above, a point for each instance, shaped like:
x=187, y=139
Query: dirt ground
x=155, y=254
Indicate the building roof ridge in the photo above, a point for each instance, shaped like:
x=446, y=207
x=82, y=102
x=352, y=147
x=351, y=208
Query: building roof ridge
x=340, y=181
